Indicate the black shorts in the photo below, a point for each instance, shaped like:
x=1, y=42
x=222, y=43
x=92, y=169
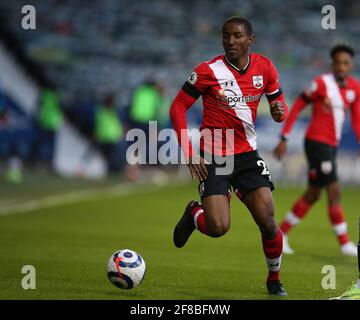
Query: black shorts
x=321, y=159
x=249, y=173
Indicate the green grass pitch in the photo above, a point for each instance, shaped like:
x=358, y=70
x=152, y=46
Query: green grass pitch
x=69, y=245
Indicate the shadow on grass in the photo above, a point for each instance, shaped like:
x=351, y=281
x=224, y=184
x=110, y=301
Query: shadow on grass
x=125, y=294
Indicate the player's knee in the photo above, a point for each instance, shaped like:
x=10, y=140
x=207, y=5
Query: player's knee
x=268, y=228
x=334, y=196
x=312, y=197
x=217, y=229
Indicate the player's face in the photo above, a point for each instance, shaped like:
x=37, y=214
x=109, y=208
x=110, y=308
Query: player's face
x=236, y=40
x=342, y=65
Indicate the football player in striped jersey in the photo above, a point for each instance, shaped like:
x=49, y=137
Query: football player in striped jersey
x=331, y=95
x=231, y=86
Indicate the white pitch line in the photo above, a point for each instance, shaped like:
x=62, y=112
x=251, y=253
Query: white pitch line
x=68, y=198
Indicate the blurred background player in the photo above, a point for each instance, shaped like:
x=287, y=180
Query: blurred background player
x=109, y=134
x=244, y=77
x=50, y=118
x=148, y=103
x=331, y=95
x=13, y=149
x=145, y=105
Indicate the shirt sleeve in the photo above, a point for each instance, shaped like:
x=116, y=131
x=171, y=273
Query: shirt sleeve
x=315, y=90
x=177, y=112
x=198, y=81
x=193, y=88
x=273, y=89
x=299, y=104
x=355, y=115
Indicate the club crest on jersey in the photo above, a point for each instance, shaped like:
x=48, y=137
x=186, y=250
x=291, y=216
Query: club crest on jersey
x=258, y=81
x=350, y=96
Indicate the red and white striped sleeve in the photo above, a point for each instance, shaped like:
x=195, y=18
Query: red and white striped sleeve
x=314, y=91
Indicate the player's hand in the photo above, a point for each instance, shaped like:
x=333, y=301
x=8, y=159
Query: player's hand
x=197, y=168
x=327, y=105
x=280, y=150
x=277, y=110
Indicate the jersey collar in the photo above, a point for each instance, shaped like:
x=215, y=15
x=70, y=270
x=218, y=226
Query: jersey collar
x=243, y=71
x=341, y=84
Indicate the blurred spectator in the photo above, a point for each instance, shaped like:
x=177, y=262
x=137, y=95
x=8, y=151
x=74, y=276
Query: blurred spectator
x=162, y=114
x=10, y=149
x=50, y=118
x=4, y=110
x=145, y=103
x=14, y=172
x=148, y=103
x=80, y=62
x=109, y=134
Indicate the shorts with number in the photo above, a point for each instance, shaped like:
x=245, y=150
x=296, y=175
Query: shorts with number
x=249, y=173
x=321, y=159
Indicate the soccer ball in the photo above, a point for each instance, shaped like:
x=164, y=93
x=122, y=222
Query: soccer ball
x=126, y=269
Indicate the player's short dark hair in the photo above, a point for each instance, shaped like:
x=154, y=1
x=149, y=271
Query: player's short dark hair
x=246, y=23
x=341, y=48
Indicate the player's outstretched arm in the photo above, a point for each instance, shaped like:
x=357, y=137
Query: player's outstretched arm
x=281, y=148
x=178, y=109
x=177, y=113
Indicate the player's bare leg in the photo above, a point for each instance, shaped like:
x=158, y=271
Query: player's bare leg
x=217, y=215
x=212, y=218
x=299, y=210
x=261, y=206
x=337, y=219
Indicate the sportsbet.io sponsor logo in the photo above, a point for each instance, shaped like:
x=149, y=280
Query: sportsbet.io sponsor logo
x=227, y=98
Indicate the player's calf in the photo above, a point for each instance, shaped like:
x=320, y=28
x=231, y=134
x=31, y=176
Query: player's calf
x=195, y=217
x=273, y=253
x=216, y=229
x=261, y=206
x=268, y=228
x=299, y=210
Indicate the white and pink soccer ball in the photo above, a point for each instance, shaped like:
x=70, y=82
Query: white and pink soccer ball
x=126, y=269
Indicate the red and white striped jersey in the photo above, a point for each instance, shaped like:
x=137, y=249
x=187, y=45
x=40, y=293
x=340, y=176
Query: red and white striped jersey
x=230, y=99
x=327, y=119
